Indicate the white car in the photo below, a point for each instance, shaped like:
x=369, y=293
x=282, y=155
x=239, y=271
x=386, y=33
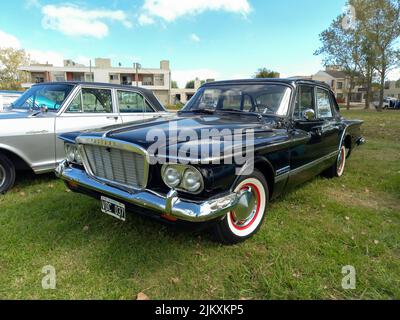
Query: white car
x=7, y=98
x=388, y=103
x=28, y=131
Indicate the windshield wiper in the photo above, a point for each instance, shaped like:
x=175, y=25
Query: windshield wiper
x=203, y=111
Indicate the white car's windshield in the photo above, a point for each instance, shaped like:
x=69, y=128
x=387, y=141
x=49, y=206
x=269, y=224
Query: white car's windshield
x=49, y=96
x=269, y=99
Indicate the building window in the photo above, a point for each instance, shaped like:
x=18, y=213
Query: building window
x=147, y=80
x=59, y=77
x=339, y=85
x=387, y=85
x=114, y=77
x=159, y=79
x=126, y=80
x=397, y=84
x=89, y=77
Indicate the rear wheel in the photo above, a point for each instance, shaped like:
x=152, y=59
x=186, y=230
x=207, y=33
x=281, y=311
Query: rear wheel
x=338, y=167
x=241, y=224
x=7, y=174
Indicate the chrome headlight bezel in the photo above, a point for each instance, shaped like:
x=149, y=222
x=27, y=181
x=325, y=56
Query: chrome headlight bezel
x=72, y=153
x=184, y=171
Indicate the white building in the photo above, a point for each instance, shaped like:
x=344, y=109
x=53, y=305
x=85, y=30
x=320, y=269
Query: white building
x=157, y=80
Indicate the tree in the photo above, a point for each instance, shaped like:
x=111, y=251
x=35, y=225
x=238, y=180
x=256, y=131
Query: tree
x=266, y=73
x=190, y=84
x=10, y=60
x=380, y=22
x=367, y=47
x=174, y=85
x=341, y=47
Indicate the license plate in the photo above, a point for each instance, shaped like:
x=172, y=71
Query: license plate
x=113, y=208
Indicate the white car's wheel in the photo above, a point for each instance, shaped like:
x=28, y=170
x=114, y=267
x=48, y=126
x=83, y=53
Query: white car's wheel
x=7, y=174
x=246, y=220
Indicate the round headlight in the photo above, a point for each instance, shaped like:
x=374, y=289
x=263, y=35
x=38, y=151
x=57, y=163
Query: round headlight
x=78, y=157
x=172, y=177
x=192, y=180
x=70, y=151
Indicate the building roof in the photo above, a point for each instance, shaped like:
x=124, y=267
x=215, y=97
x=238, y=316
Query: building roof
x=336, y=74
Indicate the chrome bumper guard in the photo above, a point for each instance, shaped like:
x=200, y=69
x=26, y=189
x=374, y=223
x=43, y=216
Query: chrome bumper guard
x=170, y=205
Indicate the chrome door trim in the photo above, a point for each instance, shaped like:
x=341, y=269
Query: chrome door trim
x=314, y=163
x=287, y=174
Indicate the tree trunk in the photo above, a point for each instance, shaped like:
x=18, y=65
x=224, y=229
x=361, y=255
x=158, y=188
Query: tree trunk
x=368, y=85
x=349, y=94
x=382, y=90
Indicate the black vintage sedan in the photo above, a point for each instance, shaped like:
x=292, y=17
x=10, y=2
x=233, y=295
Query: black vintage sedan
x=234, y=147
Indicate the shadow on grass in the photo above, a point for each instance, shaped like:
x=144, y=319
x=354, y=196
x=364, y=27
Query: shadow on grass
x=27, y=177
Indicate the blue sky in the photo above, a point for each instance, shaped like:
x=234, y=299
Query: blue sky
x=208, y=38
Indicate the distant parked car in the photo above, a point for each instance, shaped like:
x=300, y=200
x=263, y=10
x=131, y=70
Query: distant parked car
x=388, y=103
x=28, y=131
x=7, y=98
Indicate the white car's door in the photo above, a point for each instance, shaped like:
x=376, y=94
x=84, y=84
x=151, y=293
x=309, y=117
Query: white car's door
x=91, y=108
x=133, y=106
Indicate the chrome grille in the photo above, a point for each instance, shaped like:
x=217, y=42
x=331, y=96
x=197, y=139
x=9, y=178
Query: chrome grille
x=116, y=165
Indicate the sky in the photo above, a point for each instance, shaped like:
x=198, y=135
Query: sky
x=221, y=39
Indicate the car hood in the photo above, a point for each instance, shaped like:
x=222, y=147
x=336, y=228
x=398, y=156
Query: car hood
x=13, y=114
x=173, y=131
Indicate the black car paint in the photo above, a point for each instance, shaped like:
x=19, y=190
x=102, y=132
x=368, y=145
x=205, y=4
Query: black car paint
x=281, y=144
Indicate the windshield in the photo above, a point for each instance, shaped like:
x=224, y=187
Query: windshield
x=49, y=96
x=269, y=99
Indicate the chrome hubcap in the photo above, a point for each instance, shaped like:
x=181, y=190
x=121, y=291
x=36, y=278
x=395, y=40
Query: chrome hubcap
x=246, y=208
x=2, y=175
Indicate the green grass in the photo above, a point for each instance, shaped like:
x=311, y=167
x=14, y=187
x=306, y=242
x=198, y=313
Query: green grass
x=308, y=236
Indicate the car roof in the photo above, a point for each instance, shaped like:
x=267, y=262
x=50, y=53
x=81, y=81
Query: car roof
x=148, y=94
x=288, y=81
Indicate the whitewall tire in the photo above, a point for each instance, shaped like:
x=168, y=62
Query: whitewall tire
x=237, y=227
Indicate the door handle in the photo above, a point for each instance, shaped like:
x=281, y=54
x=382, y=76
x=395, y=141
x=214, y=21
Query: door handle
x=317, y=131
x=113, y=118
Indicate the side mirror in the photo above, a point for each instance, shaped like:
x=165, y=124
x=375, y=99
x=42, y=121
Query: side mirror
x=309, y=114
x=43, y=108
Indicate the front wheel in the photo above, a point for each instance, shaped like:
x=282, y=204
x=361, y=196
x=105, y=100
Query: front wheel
x=241, y=224
x=7, y=174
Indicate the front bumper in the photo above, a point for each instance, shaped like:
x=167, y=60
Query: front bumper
x=170, y=204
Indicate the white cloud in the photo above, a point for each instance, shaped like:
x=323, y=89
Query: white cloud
x=170, y=10
x=9, y=41
x=194, y=37
x=145, y=20
x=394, y=75
x=52, y=57
x=74, y=21
x=32, y=4
x=183, y=76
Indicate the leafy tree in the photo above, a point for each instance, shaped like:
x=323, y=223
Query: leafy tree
x=367, y=47
x=10, y=60
x=341, y=47
x=380, y=22
x=174, y=85
x=190, y=84
x=266, y=73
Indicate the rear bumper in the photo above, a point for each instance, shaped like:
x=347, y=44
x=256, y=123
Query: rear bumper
x=170, y=204
x=361, y=141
